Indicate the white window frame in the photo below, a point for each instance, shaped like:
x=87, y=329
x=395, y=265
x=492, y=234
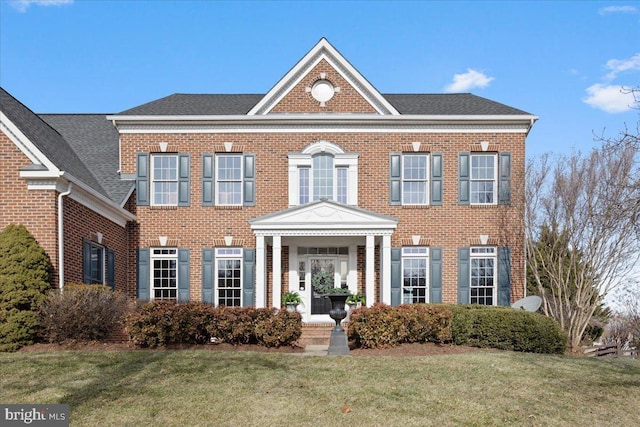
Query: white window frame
x=415, y=253
x=493, y=180
x=341, y=159
x=228, y=254
x=486, y=253
x=163, y=254
x=425, y=181
x=218, y=181
x=170, y=195
x=103, y=265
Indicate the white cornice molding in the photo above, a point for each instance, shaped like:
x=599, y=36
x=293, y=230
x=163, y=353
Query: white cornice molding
x=324, y=127
x=81, y=193
x=322, y=233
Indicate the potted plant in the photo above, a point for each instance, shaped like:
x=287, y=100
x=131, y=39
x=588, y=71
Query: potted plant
x=291, y=300
x=356, y=301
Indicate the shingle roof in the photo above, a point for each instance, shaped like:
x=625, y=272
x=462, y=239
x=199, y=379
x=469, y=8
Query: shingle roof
x=449, y=104
x=181, y=104
x=84, y=145
x=95, y=141
x=46, y=139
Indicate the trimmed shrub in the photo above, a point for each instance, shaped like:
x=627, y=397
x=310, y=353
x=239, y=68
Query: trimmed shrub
x=507, y=329
x=385, y=326
x=166, y=323
x=24, y=282
x=280, y=329
x=82, y=312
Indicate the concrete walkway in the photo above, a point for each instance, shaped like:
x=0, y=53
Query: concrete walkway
x=315, y=350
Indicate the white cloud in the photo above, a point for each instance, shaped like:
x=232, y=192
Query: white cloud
x=617, y=66
x=617, y=9
x=469, y=80
x=609, y=98
x=23, y=5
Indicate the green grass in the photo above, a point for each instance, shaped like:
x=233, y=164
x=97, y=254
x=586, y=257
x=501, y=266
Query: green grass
x=200, y=387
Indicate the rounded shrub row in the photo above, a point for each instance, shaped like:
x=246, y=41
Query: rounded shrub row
x=473, y=325
x=386, y=326
x=165, y=323
x=507, y=329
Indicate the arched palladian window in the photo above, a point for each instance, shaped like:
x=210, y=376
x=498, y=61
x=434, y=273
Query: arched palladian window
x=323, y=171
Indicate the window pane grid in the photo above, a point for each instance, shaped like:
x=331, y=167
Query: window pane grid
x=165, y=279
x=303, y=176
x=323, y=177
x=165, y=180
x=414, y=179
x=483, y=176
x=482, y=281
x=414, y=280
x=341, y=185
x=229, y=180
x=229, y=282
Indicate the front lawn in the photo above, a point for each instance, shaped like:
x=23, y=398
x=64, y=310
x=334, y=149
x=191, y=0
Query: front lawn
x=200, y=387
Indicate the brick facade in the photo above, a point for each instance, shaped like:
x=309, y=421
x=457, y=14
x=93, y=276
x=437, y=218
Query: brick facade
x=290, y=119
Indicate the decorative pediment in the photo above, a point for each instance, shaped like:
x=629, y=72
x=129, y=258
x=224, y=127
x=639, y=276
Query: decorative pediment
x=324, y=215
x=323, y=81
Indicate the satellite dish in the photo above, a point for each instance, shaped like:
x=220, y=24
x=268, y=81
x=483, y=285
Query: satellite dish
x=530, y=303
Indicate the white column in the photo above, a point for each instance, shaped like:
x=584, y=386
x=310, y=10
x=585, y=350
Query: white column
x=386, y=269
x=261, y=294
x=277, y=270
x=370, y=271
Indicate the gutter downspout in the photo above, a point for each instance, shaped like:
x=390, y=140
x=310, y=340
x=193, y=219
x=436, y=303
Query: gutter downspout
x=61, y=238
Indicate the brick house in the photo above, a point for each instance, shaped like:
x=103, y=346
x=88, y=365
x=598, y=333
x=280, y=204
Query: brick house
x=235, y=199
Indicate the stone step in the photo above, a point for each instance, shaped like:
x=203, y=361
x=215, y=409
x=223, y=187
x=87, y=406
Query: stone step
x=315, y=334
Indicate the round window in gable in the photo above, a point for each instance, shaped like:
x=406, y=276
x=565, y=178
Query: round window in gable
x=322, y=91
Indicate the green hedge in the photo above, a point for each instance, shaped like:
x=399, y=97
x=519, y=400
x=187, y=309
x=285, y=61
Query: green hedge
x=506, y=329
x=473, y=325
x=164, y=323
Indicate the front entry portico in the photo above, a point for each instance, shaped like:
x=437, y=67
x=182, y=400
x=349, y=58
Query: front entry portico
x=323, y=236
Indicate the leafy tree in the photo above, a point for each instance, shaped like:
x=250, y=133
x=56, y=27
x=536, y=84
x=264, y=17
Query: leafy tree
x=24, y=282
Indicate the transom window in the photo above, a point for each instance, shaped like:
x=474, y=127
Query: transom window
x=164, y=180
x=229, y=179
x=483, y=275
x=414, y=179
x=415, y=275
x=229, y=276
x=164, y=274
x=483, y=179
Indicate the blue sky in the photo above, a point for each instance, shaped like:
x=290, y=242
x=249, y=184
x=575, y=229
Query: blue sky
x=563, y=61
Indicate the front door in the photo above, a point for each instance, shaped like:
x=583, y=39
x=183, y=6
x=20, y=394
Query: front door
x=321, y=268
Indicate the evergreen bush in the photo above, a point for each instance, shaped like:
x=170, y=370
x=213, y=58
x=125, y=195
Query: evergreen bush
x=24, y=282
x=507, y=329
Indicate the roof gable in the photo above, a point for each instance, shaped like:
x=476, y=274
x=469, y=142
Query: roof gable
x=323, y=62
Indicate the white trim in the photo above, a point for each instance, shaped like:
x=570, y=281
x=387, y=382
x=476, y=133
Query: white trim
x=322, y=50
x=369, y=269
x=276, y=268
x=261, y=276
x=23, y=143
